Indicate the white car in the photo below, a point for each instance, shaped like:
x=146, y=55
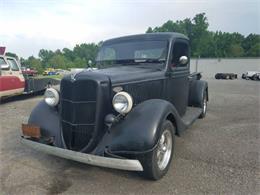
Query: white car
x=253, y=75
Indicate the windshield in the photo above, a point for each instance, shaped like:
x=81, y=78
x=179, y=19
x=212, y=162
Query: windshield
x=142, y=52
x=13, y=64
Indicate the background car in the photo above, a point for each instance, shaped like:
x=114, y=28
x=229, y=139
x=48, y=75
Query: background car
x=253, y=75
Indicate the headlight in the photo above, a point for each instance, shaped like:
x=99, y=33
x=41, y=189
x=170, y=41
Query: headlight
x=51, y=97
x=122, y=102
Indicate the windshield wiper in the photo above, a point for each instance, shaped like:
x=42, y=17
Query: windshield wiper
x=148, y=60
x=141, y=61
x=137, y=61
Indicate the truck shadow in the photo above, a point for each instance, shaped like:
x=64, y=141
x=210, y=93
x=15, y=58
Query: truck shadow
x=20, y=97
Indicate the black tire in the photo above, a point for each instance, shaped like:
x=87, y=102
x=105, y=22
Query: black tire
x=254, y=77
x=150, y=160
x=204, y=105
x=217, y=76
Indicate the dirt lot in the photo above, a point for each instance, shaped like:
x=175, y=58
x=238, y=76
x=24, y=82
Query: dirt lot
x=217, y=155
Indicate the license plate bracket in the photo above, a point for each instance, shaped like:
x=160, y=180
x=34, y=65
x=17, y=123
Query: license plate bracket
x=32, y=131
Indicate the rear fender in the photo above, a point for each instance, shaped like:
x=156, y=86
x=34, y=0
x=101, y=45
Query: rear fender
x=196, y=93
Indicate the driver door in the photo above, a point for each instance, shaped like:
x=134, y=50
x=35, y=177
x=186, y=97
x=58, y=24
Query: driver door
x=178, y=81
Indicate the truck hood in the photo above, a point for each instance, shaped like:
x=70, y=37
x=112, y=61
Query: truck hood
x=123, y=74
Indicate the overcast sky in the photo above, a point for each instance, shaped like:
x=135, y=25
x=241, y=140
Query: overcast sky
x=28, y=25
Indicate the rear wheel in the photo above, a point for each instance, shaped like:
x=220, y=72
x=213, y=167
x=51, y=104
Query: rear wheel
x=157, y=162
x=204, y=105
x=254, y=77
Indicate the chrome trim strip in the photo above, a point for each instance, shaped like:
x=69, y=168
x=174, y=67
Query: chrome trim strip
x=78, y=124
x=122, y=164
x=78, y=102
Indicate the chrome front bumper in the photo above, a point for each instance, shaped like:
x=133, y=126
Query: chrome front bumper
x=123, y=164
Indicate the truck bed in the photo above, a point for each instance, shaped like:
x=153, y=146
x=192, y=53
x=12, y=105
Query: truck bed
x=33, y=85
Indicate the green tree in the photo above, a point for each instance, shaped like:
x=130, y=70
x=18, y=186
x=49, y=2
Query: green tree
x=195, y=29
x=58, y=61
x=79, y=63
x=34, y=63
x=251, y=45
x=254, y=50
x=205, y=43
x=87, y=51
x=236, y=50
x=68, y=54
x=199, y=35
x=149, y=30
x=45, y=56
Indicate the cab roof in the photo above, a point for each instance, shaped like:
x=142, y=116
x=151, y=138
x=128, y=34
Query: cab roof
x=168, y=36
x=5, y=56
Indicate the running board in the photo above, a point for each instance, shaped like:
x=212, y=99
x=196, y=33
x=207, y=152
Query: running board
x=192, y=113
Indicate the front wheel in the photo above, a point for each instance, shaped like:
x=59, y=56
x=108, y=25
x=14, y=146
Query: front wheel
x=157, y=162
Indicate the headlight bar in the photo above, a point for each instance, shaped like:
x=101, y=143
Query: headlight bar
x=51, y=97
x=122, y=102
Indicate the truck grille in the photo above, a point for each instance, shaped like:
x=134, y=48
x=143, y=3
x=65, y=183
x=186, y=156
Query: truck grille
x=78, y=112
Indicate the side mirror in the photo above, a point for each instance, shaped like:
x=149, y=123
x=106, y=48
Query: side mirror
x=5, y=66
x=183, y=60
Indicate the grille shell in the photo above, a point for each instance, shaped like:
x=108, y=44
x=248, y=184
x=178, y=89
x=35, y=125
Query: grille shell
x=81, y=112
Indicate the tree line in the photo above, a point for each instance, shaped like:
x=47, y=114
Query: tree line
x=204, y=44
x=66, y=58
x=208, y=44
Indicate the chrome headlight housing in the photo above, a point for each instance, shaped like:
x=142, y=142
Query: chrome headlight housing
x=51, y=97
x=122, y=102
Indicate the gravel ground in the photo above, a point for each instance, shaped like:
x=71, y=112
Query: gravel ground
x=217, y=155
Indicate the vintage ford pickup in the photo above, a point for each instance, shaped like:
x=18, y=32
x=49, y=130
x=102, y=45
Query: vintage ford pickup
x=125, y=115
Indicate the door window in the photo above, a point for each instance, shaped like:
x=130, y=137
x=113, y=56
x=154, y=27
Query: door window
x=107, y=53
x=13, y=64
x=180, y=48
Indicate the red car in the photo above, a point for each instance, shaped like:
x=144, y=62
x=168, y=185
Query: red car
x=29, y=72
x=14, y=82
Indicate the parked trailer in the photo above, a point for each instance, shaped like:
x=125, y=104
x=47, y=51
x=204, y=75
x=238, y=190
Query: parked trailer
x=13, y=82
x=226, y=76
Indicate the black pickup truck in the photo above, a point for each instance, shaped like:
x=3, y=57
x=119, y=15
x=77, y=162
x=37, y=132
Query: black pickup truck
x=125, y=115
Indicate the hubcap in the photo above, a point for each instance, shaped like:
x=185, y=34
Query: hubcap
x=164, y=149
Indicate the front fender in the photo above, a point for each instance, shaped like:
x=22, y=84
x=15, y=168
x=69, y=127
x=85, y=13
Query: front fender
x=47, y=118
x=139, y=131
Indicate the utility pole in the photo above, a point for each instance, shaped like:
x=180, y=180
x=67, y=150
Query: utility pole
x=197, y=63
